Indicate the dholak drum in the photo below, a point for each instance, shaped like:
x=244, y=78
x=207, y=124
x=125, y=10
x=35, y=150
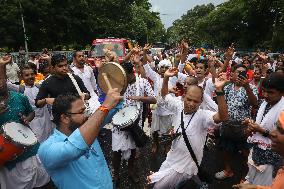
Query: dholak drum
x=15, y=138
x=127, y=119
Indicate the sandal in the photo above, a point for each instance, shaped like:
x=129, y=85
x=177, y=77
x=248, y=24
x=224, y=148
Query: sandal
x=223, y=175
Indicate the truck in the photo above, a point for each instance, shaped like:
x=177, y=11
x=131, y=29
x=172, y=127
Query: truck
x=119, y=46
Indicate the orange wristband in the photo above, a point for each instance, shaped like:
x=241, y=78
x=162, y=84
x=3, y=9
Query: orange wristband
x=104, y=109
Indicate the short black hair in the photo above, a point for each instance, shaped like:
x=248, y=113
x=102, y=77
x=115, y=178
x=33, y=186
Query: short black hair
x=234, y=68
x=75, y=53
x=274, y=81
x=28, y=66
x=128, y=67
x=57, y=58
x=61, y=106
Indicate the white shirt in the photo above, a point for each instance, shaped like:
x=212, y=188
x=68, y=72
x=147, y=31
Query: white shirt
x=179, y=158
x=158, y=83
x=88, y=78
x=145, y=89
x=12, y=71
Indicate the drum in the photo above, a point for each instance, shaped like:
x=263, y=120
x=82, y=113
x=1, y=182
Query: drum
x=116, y=76
x=127, y=119
x=15, y=138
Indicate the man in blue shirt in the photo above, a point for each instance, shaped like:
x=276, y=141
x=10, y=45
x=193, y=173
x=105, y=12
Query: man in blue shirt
x=71, y=155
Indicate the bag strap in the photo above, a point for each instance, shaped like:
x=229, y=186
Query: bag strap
x=187, y=143
x=75, y=83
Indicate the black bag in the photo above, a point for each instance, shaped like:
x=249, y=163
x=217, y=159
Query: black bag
x=137, y=133
x=203, y=175
x=233, y=130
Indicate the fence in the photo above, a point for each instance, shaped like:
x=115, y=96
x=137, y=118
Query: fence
x=22, y=58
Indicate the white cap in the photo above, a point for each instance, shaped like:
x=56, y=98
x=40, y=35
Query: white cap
x=165, y=63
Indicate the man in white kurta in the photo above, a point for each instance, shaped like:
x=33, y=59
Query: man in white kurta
x=138, y=91
x=179, y=165
x=85, y=72
x=162, y=117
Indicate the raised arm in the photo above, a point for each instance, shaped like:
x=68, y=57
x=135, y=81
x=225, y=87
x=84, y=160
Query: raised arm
x=169, y=73
x=3, y=62
x=222, y=114
x=228, y=56
x=90, y=129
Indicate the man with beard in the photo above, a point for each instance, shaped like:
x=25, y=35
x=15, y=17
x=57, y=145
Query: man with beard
x=58, y=83
x=26, y=170
x=277, y=145
x=41, y=124
x=262, y=160
x=85, y=72
x=72, y=155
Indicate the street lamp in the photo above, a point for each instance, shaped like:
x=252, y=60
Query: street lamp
x=25, y=35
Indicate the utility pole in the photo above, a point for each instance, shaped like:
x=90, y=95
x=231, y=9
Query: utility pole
x=25, y=35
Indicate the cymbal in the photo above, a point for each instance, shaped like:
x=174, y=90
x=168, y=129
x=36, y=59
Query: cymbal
x=116, y=76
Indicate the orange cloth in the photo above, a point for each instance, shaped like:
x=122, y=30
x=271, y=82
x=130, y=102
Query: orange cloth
x=39, y=77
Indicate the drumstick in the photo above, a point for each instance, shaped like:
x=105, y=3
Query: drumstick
x=107, y=81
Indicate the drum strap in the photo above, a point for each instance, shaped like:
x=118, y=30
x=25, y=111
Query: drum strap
x=75, y=83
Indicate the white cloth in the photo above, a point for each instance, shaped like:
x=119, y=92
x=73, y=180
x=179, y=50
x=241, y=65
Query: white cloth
x=88, y=78
x=178, y=158
x=259, y=174
x=41, y=125
x=161, y=123
x=267, y=122
x=122, y=140
x=12, y=71
x=158, y=82
x=26, y=175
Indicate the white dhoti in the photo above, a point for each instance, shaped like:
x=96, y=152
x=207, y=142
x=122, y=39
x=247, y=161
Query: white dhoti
x=122, y=141
x=259, y=174
x=42, y=125
x=161, y=123
x=26, y=175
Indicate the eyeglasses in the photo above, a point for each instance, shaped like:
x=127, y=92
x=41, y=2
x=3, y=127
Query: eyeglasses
x=74, y=113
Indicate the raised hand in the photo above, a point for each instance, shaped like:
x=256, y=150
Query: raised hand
x=171, y=72
x=244, y=82
x=229, y=52
x=5, y=59
x=147, y=47
x=221, y=81
x=135, y=50
x=44, y=57
x=112, y=98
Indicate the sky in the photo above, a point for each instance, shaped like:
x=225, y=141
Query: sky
x=170, y=10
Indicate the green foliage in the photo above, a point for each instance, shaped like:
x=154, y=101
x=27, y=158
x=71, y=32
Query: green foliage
x=248, y=23
x=69, y=23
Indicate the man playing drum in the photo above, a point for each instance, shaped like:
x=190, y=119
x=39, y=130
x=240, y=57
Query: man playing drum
x=123, y=145
x=72, y=154
x=25, y=171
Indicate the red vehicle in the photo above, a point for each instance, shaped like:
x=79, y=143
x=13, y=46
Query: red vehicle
x=119, y=46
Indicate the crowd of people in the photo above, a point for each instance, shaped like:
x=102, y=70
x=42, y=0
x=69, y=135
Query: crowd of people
x=188, y=96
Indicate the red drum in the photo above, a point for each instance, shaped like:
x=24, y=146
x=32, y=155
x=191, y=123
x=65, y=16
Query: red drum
x=15, y=138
